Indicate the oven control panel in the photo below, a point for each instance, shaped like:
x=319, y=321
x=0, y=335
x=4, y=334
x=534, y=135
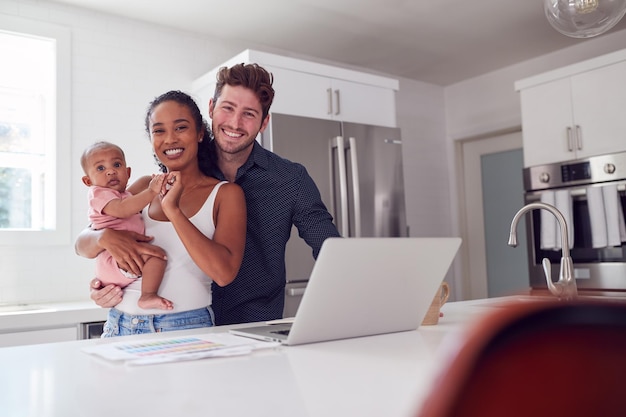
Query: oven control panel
x=575, y=172
x=595, y=169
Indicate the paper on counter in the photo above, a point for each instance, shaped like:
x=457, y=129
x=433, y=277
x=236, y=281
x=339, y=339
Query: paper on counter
x=175, y=349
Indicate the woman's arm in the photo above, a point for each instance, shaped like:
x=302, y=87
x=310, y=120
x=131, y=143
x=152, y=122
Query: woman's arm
x=86, y=244
x=127, y=248
x=220, y=257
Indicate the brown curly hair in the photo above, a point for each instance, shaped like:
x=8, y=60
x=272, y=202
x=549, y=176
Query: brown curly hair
x=252, y=76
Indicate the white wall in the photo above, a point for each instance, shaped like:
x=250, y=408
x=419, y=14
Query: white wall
x=118, y=66
x=421, y=117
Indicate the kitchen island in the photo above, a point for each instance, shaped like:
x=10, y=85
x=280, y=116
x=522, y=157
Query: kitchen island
x=386, y=375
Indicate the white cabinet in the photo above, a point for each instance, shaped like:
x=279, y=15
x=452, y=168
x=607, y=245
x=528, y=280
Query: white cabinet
x=547, y=123
x=32, y=337
x=46, y=323
x=319, y=91
x=310, y=95
x=600, y=108
x=576, y=114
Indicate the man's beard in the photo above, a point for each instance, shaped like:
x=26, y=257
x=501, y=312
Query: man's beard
x=231, y=148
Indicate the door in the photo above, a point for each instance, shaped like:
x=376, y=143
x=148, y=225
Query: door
x=321, y=97
x=547, y=123
x=302, y=94
x=375, y=179
x=493, y=192
x=599, y=100
x=503, y=196
x=349, y=98
x=575, y=117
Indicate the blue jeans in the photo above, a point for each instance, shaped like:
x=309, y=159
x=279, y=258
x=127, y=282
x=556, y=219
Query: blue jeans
x=121, y=324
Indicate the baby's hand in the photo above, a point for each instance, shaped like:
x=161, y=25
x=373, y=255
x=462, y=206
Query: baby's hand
x=156, y=183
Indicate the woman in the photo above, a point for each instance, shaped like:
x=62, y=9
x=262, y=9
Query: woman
x=199, y=221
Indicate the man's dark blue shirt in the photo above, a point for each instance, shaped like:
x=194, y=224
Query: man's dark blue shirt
x=279, y=193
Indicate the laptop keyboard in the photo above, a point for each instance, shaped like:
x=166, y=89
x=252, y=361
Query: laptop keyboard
x=283, y=332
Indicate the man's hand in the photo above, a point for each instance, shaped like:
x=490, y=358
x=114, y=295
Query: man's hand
x=129, y=249
x=106, y=297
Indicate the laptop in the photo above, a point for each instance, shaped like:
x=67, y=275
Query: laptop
x=363, y=287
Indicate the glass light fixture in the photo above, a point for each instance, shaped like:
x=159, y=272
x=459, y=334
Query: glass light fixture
x=584, y=18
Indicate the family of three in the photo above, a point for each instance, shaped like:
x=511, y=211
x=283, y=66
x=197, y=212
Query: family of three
x=213, y=227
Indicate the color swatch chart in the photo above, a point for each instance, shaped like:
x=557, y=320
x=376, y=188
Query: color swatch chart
x=150, y=350
x=183, y=345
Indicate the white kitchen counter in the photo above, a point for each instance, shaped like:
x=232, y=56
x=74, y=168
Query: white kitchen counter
x=386, y=375
x=52, y=315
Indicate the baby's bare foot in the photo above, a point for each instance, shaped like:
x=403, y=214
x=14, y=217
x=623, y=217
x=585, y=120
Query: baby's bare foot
x=154, y=301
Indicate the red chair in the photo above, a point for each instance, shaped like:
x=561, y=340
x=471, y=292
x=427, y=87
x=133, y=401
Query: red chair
x=555, y=359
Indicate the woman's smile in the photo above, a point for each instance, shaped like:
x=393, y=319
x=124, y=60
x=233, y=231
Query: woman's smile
x=173, y=152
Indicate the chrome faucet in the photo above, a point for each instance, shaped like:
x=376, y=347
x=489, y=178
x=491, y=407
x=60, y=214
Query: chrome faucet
x=565, y=287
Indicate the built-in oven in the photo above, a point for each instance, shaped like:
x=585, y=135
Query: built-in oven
x=591, y=193
x=90, y=330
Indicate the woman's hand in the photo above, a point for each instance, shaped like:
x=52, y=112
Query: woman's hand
x=129, y=248
x=106, y=297
x=171, y=193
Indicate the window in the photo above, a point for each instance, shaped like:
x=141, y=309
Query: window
x=34, y=133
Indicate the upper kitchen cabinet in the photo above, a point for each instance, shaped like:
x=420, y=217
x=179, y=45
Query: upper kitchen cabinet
x=574, y=112
x=310, y=89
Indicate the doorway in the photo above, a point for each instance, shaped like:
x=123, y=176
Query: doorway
x=492, y=193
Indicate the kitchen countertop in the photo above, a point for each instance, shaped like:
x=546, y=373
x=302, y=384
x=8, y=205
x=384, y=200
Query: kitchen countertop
x=386, y=375
x=50, y=315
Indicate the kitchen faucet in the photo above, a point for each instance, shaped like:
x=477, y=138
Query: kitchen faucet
x=565, y=287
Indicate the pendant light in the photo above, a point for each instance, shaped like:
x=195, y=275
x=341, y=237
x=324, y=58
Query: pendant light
x=584, y=18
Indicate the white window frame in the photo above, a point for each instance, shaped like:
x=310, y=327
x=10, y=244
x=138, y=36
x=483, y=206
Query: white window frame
x=61, y=233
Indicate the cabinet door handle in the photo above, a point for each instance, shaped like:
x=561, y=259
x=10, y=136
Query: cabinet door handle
x=338, y=102
x=329, y=92
x=570, y=145
x=579, y=138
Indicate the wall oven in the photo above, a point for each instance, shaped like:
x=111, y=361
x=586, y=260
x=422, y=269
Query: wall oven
x=583, y=189
x=90, y=330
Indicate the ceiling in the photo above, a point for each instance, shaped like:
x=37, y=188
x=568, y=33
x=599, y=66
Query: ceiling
x=440, y=42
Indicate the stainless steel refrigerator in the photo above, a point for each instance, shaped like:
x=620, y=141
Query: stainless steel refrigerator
x=358, y=170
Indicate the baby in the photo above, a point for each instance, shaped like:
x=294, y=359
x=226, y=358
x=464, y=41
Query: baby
x=111, y=206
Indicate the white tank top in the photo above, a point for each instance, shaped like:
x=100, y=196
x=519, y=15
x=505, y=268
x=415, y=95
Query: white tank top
x=183, y=283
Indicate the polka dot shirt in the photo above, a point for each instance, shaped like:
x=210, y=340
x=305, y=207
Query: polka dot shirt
x=279, y=193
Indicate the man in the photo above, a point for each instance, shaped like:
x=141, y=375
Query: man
x=279, y=194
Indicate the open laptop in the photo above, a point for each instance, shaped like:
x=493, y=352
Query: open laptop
x=365, y=286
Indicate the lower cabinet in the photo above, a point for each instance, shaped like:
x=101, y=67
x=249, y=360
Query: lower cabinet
x=32, y=337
